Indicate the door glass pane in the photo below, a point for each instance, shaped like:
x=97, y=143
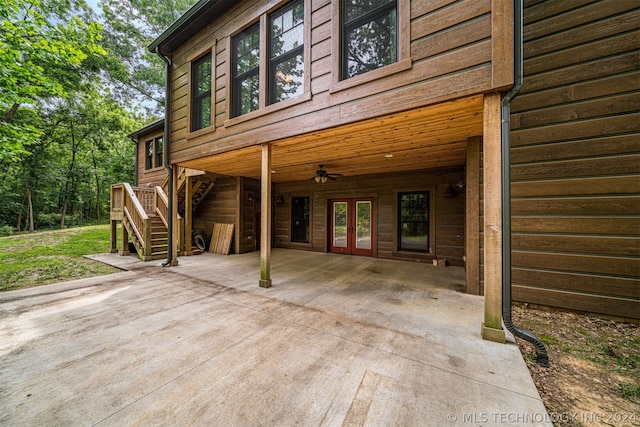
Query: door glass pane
x=340, y=224
x=363, y=225
x=300, y=219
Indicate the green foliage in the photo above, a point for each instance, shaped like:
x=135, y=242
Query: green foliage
x=6, y=230
x=629, y=390
x=137, y=74
x=48, y=257
x=43, y=44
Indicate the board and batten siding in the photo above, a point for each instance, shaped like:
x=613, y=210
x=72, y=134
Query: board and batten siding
x=576, y=158
x=448, y=55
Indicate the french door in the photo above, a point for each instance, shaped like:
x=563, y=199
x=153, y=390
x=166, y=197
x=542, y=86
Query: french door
x=351, y=223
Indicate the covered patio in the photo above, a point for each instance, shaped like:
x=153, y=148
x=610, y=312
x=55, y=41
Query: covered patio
x=337, y=340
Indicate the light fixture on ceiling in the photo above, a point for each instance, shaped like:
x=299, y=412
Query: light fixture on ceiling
x=322, y=176
x=388, y=156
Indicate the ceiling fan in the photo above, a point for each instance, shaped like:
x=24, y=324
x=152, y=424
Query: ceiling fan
x=322, y=176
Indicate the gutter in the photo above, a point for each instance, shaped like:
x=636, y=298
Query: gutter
x=542, y=357
x=165, y=152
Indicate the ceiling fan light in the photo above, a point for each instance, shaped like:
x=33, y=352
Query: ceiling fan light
x=318, y=179
x=324, y=179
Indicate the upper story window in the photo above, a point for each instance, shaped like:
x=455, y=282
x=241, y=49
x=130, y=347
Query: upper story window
x=158, y=148
x=201, y=94
x=246, y=67
x=369, y=35
x=286, y=52
x=153, y=153
x=148, y=154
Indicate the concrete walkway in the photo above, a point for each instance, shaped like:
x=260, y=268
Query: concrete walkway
x=339, y=340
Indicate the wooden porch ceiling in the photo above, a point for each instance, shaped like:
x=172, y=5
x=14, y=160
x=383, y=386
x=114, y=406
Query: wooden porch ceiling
x=424, y=138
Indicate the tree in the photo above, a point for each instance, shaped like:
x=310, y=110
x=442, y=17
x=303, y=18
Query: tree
x=43, y=45
x=130, y=26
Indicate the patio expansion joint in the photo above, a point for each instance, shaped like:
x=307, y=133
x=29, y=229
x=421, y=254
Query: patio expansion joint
x=410, y=359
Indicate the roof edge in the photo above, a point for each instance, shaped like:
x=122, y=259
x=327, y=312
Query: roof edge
x=181, y=23
x=158, y=124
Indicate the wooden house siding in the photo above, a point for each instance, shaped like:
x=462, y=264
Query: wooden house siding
x=448, y=216
x=450, y=49
x=148, y=177
x=576, y=158
x=220, y=206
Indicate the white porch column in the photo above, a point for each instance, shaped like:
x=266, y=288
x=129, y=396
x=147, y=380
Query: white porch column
x=492, y=174
x=265, y=218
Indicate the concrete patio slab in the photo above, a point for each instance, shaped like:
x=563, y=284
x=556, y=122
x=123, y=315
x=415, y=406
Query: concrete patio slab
x=338, y=340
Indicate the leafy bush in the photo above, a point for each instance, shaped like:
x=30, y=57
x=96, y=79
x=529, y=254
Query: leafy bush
x=6, y=230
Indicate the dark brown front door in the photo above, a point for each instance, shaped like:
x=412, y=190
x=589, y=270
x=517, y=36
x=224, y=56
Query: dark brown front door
x=351, y=224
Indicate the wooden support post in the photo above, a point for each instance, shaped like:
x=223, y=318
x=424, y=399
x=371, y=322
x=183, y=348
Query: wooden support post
x=125, y=240
x=265, y=218
x=188, y=214
x=172, y=245
x=472, y=219
x=114, y=237
x=492, y=181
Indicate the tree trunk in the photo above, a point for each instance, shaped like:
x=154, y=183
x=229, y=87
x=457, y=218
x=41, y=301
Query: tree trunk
x=31, y=225
x=12, y=112
x=97, y=177
x=65, y=194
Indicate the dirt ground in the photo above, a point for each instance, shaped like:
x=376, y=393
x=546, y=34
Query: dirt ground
x=594, y=373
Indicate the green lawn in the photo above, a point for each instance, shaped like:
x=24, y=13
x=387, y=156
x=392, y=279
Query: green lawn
x=52, y=256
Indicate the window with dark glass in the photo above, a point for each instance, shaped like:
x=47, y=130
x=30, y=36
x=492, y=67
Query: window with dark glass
x=158, y=142
x=413, y=221
x=246, y=66
x=286, y=52
x=201, y=93
x=300, y=213
x=369, y=35
x=148, y=155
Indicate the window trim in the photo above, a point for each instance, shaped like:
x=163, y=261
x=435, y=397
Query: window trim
x=310, y=228
x=191, y=133
x=272, y=62
x=148, y=158
x=404, y=62
x=432, y=225
x=150, y=162
x=254, y=72
x=158, y=159
x=265, y=109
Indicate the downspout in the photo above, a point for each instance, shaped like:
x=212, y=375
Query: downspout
x=135, y=178
x=541, y=352
x=165, y=154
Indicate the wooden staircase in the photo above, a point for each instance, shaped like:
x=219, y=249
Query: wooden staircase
x=159, y=241
x=200, y=188
x=144, y=212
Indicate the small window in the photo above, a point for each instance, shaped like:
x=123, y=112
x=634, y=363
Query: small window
x=158, y=152
x=300, y=213
x=369, y=35
x=413, y=221
x=286, y=52
x=246, y=66
x=148, y=150
x=201, y=94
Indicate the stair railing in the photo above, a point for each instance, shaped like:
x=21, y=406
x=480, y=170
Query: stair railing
x=161, y=207
x=161, y=204
x=137, y=218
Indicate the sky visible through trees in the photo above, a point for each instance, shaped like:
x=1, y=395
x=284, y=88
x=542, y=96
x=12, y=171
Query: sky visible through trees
x=75, y=80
